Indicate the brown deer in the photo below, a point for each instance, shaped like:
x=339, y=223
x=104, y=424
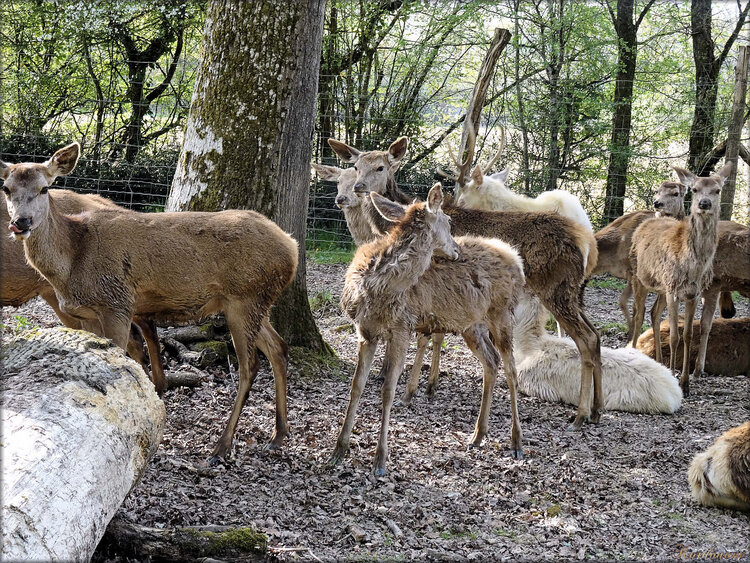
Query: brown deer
x=192, y=264
x=720, y=475
x=727, y=351
x=675, y=258
x=19, y=283
x=394, y=287
x=558, y=255
x=613, y=241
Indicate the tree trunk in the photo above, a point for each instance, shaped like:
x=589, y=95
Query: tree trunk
x=619, y=155
x=80, y=421
x=735, y=132
x=248, y=139
x=706, y=88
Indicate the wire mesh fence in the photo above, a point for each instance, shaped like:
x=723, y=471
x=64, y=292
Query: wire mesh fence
x=77, y=80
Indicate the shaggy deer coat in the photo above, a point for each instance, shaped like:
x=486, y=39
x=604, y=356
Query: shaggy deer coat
x=675, y=258
x=108, y=265
x=720, y=476
x=548, y=368
x=394, y=287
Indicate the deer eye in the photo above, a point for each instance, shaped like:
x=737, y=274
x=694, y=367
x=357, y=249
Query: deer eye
x=381, y=168
x=355, y=168
x=695, y=190
x=6, y=191
x=43, y=190
x=717, y=191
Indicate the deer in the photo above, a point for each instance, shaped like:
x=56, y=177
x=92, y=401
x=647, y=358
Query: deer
x=719, y=476
x=676, y=258
x=614, y=240
x=558, y=255
x=194, y=264
x=727, y=351
x=548, y=368
x=489, y=192
x=20, y=283
x=394, y=287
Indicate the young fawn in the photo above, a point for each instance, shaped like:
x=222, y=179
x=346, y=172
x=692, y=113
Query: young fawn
x=190, y=265
x=394, y=287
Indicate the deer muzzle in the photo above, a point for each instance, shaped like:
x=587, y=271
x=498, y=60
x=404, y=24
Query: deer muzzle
x=20, y=227
x=705, y=204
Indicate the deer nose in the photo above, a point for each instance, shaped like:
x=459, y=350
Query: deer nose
x=340, y=200
x=658, y=204
x=21, y=224
x=705, y=204
x=360, y=188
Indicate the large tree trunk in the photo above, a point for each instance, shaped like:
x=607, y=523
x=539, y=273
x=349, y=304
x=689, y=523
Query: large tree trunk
x=735, y=131
x=248, y=140
x=619, y=155
x=80, y=421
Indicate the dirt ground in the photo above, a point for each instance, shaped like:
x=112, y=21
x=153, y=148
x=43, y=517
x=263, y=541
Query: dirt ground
x=618, y=490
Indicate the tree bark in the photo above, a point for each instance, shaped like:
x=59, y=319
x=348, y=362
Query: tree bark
x=80, y=421
x=248, y=139
x=735, y=132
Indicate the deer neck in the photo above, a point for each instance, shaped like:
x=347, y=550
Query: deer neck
x=48, y=248
x=402, y=262
x=703, y=236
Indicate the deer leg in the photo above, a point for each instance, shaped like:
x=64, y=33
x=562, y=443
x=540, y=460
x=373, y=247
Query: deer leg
x=502, y=334
x=276, y=350
x=598, y=405
x=478, y=341
x=639, y=309
x=707, y=321
x=656, y=311
x=116, y=326
x=416, y=370
x=437, y=345
x=365, y=355
x=395, y=355
x=244, y=324
x=625, y=296
x=726, y=305
x=674, y=332
x=135, y=346
x=148, y=328
x=687, y=335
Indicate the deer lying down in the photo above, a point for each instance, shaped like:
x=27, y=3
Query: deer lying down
x=20, y=283
x=189, y=265
x=549, y=367
x=489, y=192
x=720, y=476
x=394, y=287
x=727, y=352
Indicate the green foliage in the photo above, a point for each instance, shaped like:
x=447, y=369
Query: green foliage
x=607, y=283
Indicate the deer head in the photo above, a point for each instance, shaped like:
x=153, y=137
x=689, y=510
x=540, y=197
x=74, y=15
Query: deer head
x=706, y=190
x=482, y=190
x=425, y=217
x=669, y=200
x=25, y=187
x=375, y=169
x=345, y=179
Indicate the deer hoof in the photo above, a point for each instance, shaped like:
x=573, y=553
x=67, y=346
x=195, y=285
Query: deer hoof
x=595, y=417
x=518, y=453
x=214, y=460
x=403, y=402
x=577, y=424
x=430, y=391
x=380, y=472
x=336, y=457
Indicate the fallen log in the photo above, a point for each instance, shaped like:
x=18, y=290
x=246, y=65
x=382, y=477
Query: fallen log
x=80, y=421
x=129, y=540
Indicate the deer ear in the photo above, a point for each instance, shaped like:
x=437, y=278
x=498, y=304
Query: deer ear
x=477, y=175
x=685, y=176
x=682, y=188
x=397, y=150
x=435, y=198
x=4, y=170
x=63, y=161
x=331, y=173
x=344, y=151
x=501, y=176
x=390, y=210
x=725, y=171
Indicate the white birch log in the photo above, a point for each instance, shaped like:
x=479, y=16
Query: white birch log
x=80, y=421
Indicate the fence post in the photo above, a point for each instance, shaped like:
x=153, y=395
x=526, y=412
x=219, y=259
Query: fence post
x=735, y=130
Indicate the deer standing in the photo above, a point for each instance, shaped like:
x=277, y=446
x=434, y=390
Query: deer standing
x=614, y=240
x=676, y=258
x=191, y=265
x=720, y=476
x=394, y=287
x=558, y=255
x=548, y=368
